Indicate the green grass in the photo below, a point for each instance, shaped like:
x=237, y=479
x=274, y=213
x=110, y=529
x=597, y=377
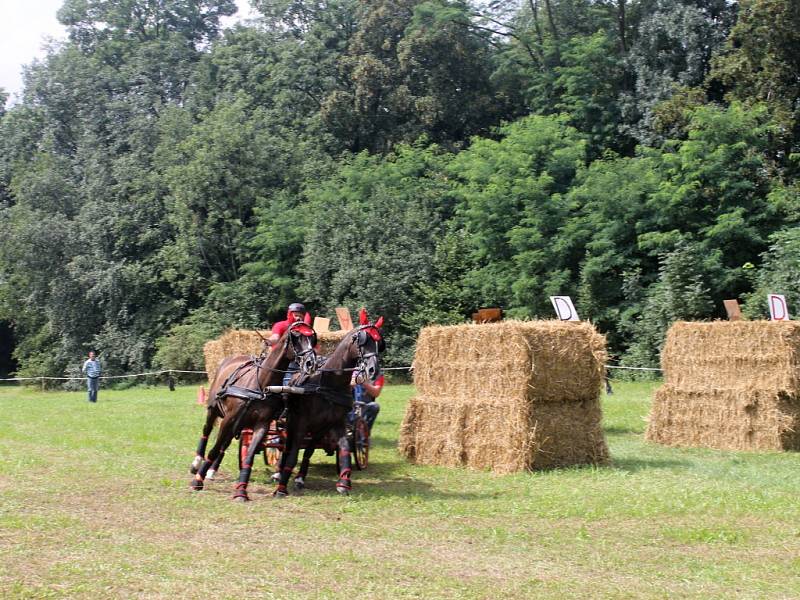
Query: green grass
x=94, y=503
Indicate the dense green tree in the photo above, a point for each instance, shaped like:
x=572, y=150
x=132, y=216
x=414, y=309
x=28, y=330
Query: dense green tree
x=672, y=50
x=778, y=274
x=761, y=64
x=682, y=292
x=372, y=233
x=512, y=206
x=611, y=200
x=411, y=68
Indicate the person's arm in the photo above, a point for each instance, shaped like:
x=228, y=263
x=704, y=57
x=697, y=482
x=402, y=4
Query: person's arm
x=374, y=388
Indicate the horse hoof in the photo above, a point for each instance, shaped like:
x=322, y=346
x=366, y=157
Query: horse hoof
x=279, y=494
x=241, y=498
x=343, y=490
x=299, y=483
x=275, y=477
x=210, y=475
x=196, y=485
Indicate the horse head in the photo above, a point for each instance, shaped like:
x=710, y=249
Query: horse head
x=369, y=343
x=302, y=341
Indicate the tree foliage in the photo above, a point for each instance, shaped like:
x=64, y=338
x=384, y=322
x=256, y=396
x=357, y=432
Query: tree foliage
x=162, y=178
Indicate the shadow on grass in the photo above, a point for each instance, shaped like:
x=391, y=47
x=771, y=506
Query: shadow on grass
x=622, y=430
x=377, y=481
x=633, y=465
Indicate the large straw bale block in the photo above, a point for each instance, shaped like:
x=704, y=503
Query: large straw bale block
x=507, y=396
x=213, y=354
x=731, y=385
x=328, y=341
x=538, y=361
x=244, y=341
x=733, y=354
x=743, y=419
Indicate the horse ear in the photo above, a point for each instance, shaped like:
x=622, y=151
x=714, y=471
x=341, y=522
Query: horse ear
x=363, y=319
x=307, y=318
x=379, y=322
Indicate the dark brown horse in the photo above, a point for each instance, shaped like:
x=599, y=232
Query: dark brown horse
x=239, y=397
x=325, y=406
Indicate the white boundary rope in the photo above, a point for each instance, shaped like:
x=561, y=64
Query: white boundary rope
x=46, y=378
x=171, y=371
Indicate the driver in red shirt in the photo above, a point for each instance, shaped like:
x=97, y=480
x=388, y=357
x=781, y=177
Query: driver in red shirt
x=295, y=313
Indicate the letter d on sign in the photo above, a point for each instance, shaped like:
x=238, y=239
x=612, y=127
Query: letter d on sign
x=564, y=308
x=777, y=308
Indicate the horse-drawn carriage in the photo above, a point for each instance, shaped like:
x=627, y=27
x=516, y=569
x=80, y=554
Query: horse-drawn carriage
x=248, y=394
x=274, y=441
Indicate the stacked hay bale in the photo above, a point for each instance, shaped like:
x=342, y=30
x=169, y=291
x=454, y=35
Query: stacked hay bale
x=231, y=343
x=507, y=396
x=328, y=341
x=730, y=385
x=244, y=341
x=213, y=355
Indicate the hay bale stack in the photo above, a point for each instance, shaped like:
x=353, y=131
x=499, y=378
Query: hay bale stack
x=212, y=352
x=507, y=396
x=231, y=343
x=729, y=385
x=328, y=341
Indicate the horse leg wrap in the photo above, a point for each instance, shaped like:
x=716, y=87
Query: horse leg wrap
x=241, y=492
x=215, y=466
x=343, y=486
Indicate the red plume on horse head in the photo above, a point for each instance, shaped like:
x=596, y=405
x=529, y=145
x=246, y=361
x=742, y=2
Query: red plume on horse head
x=307, y=318
x=363, y=319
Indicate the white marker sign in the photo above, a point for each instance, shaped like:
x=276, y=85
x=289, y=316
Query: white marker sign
x=564, y=308
x=777, y=308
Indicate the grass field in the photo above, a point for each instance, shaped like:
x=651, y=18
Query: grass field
x=94, y=503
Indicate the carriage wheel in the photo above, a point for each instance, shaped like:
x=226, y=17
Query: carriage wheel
x=360, y=443
x=274, y=443
x=272, y=456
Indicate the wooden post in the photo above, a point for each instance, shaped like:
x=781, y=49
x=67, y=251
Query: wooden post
x=733, y=310
x=343, y=314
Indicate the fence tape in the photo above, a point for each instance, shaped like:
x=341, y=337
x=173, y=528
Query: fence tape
x=46, y=378
x=171, y=371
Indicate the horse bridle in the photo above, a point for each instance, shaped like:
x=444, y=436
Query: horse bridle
x=306, y=359
x=359, y=337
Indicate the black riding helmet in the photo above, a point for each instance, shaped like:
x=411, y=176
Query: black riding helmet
x=297, y=307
